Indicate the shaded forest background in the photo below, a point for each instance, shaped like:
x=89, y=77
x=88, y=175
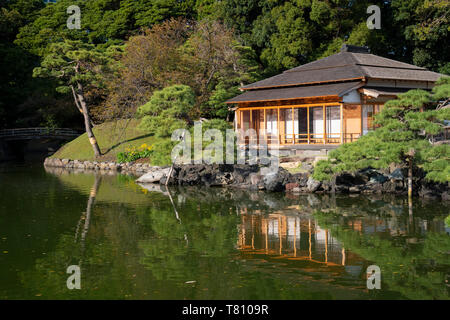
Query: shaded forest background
x=211, y=46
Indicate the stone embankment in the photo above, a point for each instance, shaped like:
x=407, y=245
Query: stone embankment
x=254, y=177
x=129, y=167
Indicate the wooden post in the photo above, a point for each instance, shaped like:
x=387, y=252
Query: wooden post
x=173, y=163
x=324, y=125
x=250, y=124
x=265, y=126
x=307, y=124
x=278, y=125
x=410, y=155
x=293, y=128
x=362, y=121
x=342, y=123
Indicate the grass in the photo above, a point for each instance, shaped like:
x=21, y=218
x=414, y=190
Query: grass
x=112, y=138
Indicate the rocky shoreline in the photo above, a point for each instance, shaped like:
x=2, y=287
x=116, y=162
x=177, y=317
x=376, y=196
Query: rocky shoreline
x=128, y=167
x=254, y=177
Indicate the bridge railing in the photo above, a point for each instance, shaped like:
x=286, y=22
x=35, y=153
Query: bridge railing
x=38, y=132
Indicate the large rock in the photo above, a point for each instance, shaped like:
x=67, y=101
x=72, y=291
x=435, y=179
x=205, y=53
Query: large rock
x=276, y=181
x=312, y=185
x=300, y=178
x=433, y=190
x=154, y=176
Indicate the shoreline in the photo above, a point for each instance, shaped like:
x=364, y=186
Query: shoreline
x=367, y=181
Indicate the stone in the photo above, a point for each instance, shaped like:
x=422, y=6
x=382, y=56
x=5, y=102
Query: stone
x=300, y=178
x=276, y=181
x=397, y=174
x=256, y=179
x=312, y=185
x=153, y=176
x=290, y=186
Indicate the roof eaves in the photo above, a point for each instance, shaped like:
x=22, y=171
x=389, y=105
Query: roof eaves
x=265, y=100
x=304, y=83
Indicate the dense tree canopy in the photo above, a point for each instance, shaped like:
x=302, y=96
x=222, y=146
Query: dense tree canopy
x=216, y=46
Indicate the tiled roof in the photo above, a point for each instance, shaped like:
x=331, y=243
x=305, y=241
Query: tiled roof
x=331, y=89
x=346, y=66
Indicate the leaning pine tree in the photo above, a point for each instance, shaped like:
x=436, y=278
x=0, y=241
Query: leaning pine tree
x=405, y=136
x=79, y=68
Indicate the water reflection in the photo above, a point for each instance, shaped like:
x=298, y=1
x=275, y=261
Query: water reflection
x=288, y=237
x=149, y=242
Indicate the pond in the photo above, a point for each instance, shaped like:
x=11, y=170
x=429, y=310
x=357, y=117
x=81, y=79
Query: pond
x=148, y=242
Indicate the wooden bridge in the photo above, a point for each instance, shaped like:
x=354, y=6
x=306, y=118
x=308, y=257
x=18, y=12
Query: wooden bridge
x=38, y=133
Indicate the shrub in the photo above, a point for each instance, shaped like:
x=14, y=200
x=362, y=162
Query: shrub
x=133, y=154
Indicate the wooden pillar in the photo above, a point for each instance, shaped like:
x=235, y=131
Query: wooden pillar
x=307, y=124
x=326, y=246
x=250, y=124
x=362, y=121
x=324, y=125
x=293, y=128
x=265, y=126
x=342, y=123
x=278, y=125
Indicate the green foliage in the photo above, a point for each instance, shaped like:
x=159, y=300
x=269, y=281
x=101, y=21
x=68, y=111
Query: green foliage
x=167, y=110
x=75, y=62
x=259, y=38
x=405, y=124
x=133, y=153
x=161, y=152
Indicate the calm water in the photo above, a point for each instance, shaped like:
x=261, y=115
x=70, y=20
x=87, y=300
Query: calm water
x=199, y=243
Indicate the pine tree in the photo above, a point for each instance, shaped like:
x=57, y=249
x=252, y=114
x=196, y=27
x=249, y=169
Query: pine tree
x=407, y=126
x=79, y=68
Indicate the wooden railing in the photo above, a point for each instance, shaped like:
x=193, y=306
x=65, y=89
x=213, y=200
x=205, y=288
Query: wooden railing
x=304, y=138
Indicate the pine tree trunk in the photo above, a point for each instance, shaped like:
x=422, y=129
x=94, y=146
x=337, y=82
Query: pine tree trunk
x=87, y=121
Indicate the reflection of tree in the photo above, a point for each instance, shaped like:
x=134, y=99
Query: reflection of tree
x=140, y=251
x=49, y=276
x=169, y=256
x=416, y=270
x=86, y=216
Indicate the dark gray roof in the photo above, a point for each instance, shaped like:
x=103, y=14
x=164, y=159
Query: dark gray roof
x=332, y=89
x=347, y=66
